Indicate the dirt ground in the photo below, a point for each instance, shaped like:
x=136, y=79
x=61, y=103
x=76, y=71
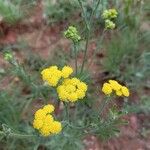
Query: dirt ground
x=43, y=40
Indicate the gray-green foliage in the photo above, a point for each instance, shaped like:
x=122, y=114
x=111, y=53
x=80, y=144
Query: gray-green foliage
x=121, y=50
x=10, y=11
x=59, y=10
x=142, y=107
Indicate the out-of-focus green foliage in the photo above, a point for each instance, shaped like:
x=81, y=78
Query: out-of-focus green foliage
x=12, y=11
x=59, y=10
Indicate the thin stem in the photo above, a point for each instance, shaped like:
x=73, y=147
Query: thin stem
x=88, y=26
x=88, y=33
x=101, y=40
x=17, y=135
x=84, y=15
x=86, y=48
x=76, y=63
x=99, y=43
x=66, y=111
x=103, y=105
x=94, y=10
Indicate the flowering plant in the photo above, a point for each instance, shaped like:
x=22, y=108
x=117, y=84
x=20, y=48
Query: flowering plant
x=67, y=104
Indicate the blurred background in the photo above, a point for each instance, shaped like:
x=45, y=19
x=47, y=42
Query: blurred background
x=32, y=31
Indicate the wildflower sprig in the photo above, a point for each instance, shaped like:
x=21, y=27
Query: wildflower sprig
x=114, y=86
x=44, y=121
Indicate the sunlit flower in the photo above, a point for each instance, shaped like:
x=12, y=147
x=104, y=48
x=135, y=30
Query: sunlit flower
x=51, y=75
x=107, y=89
x=72, y=90
x=48, y=108
x=66, y=71
x=44, y=121
x=114, y=87
x=55, y=127
x=125, y=91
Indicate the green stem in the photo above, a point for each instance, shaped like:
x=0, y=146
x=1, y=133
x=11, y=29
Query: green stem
x=76, y=63
x=94, y=10
x=98, y=47
x=66, y=111
x=84, y=15
x=103, y=105
x=88, y=26
x=100, y=40
x=17, y=135
x=85, y=52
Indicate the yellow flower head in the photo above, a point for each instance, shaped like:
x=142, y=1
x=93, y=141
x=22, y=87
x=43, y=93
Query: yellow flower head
x=55, y=127
x=107, y=89
x=48, y=108
x=44, y=121
x=72, y=90
x=119, y=93
x=66, y=71
x=45, y=130
x=37, y=123
x=125, y=91
x=114, y=86
x=51, y=75
x=40, y=114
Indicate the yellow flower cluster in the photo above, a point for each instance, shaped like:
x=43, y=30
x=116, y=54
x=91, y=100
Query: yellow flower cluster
x=44, y=121
x=71, y=90
x=113, y=85
x=52, y=75
x=66, y=71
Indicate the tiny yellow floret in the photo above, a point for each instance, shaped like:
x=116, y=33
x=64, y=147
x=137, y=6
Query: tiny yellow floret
x=48, y=108
x=115, y=85
x=125, y=91
x=119, y=93
x=55, y=127
x=66, y=71
x=51, y=75
x=37, y=123
x=107, y=89
x=40, y=114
